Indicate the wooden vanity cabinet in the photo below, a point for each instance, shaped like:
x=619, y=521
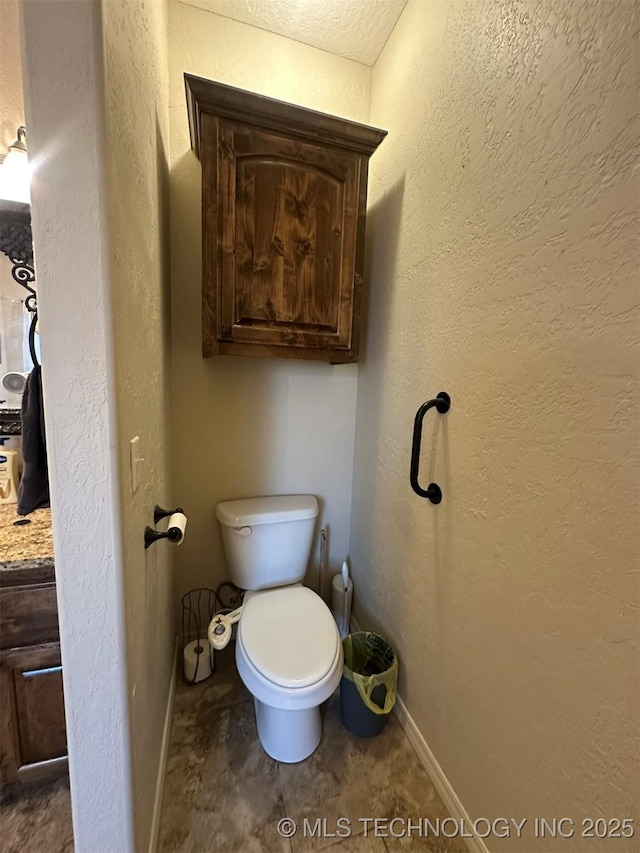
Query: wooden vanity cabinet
x=33, y=744
x=284, y=193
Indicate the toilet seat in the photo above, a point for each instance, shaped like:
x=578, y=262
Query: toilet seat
x=289, y=636
x=287, y=698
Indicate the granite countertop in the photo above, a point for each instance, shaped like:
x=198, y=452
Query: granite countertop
x=25, y=545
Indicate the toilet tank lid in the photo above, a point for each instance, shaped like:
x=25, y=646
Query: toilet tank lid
x=267, y=510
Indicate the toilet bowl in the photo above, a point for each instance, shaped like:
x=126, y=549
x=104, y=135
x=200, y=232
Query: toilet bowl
x=289, y=656
x=288, y=649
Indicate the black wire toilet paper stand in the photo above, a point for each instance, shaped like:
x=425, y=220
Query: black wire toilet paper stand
x=198, y=608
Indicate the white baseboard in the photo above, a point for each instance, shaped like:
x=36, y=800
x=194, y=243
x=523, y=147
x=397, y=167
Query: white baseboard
x=164, y=754
x=437, y=775
x=435, y=772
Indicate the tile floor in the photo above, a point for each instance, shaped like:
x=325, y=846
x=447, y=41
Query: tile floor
x=224, y=794
x=36, y=818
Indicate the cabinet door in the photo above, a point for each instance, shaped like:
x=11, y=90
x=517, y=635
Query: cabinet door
x=282, y=239
x=34, y=742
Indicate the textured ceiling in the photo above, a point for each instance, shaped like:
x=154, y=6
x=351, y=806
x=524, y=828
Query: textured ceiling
x=356, y=29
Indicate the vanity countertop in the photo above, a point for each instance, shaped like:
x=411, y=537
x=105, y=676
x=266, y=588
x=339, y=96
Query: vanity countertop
x=28, y=546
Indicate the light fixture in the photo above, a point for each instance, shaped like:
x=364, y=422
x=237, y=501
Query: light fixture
x=15, y=175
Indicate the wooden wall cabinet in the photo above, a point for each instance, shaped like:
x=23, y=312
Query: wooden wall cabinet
x=284, y=193
x=33, y=744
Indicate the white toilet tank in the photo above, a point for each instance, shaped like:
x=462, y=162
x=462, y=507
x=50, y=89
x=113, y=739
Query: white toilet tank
x=267, y=541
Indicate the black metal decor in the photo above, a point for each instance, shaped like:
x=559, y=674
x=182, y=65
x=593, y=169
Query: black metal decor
x=442, y=403
x=17, y=244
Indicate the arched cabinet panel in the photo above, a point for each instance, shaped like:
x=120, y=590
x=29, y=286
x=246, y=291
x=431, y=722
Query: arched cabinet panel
x=283, y=219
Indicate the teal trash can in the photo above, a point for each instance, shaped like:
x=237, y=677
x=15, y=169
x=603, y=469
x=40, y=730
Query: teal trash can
x=369, y=683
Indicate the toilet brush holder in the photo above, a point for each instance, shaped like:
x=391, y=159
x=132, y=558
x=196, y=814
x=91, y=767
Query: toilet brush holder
x=341, y=598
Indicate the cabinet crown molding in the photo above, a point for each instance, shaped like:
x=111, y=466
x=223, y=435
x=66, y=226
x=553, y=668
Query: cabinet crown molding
x=207, y=96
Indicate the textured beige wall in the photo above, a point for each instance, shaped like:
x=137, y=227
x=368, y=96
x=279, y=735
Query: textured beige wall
x=244, y=426
x=11, y=100
x=137, y=126
x=63, y=76
x=97, y=86
x=503, y=259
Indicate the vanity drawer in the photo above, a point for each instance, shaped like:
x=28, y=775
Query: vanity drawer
x=28, y=615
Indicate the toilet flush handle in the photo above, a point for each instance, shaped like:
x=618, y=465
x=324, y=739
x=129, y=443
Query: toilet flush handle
x=243, y=531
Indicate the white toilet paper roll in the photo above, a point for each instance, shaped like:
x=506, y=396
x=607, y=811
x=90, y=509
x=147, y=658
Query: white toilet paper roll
x=178, y=520
x=341, y=603
x=198, y=660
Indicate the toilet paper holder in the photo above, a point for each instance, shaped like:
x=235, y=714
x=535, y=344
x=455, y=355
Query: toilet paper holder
x=173, y=533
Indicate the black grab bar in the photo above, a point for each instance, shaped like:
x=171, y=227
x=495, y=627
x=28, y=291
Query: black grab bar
x=442, y=403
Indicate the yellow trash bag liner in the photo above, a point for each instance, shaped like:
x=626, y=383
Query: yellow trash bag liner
x=370, y=662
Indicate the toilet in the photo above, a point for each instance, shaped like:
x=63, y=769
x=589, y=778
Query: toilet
x=288, y=649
